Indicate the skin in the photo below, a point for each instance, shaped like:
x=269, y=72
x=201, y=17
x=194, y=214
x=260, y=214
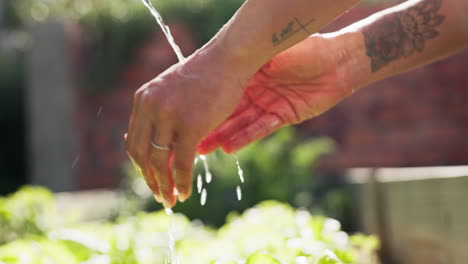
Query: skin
x=182, y=105
x=295, y=85
x=353, y=61
x=252, y=79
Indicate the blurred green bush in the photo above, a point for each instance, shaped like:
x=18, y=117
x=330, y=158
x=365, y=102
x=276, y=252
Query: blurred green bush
x=280, y=167
x=294, y=236
x=29, y=211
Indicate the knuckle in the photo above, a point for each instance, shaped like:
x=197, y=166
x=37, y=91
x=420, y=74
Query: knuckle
x=165, y=107
x=146, y=99
x=139, y=93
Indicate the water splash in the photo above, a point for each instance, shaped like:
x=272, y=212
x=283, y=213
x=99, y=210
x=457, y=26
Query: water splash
x=165, y=29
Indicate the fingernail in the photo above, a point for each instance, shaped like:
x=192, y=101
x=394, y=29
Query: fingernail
x=182, y=198
x=158, y=198
x=165, y=203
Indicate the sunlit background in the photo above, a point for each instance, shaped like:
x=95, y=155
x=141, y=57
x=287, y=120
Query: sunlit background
x=68, y=71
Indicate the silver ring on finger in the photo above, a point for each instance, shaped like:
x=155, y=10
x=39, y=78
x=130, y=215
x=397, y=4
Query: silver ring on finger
x=160, y=147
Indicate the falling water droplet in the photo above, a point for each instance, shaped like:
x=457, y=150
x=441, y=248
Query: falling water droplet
x=75, y=161
x=168, y=211
x=99, y=112
x=239, y=192
x=208, y=177
x=172, y=257
x=199, y=183
x=240, y=172
x=203, y=197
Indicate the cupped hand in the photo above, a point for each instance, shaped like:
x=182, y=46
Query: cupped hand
x=297, y=84
x=176, y=110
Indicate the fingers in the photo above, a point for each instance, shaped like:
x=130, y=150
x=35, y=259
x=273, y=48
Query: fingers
x=262, y=127
x=161, y=165
x=228, y=128
x=139, y=133
x=183, y=165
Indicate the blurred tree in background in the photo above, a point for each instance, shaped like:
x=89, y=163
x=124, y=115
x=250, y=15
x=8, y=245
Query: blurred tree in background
x=116, y=29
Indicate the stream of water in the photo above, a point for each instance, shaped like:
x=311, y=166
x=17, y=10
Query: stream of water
x=172, y=257
x=165, y=29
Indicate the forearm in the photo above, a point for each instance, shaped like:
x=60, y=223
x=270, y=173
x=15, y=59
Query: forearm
x=262, y=28
x=401, y=38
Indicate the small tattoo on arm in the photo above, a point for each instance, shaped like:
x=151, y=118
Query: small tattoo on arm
x=402, y=34
x=290, y=29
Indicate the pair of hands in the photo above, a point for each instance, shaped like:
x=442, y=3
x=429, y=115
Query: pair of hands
x=211, y=101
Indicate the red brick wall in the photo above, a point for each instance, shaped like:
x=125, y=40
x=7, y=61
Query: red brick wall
x=414, y=119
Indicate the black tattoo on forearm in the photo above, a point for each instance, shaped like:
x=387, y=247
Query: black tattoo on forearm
x=290, y=29
x=403, y=33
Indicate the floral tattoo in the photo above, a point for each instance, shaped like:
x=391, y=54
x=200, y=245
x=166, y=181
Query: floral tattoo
x=402, y=34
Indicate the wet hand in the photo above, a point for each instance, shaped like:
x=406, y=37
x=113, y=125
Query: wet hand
x=297, y=84
x=173, y=112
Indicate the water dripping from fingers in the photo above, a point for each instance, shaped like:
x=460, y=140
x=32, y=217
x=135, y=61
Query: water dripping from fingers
x=203, y=197
x=239, y=192
x=199, y=183
x=240, y=172
x=208, y=175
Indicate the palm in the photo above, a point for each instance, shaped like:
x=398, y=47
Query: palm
x=293, y=86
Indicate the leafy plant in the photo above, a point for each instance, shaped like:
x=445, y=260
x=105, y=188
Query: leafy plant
x=30, y=211
x=294, y=236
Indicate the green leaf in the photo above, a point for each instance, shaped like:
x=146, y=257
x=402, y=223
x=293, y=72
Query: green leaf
x=262, y=258
x=329, y=258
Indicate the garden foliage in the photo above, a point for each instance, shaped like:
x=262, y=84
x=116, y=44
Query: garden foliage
x=269, y=233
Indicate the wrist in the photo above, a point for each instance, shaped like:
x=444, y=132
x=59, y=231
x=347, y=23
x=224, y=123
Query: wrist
x=218, y=56
x=353, y=61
